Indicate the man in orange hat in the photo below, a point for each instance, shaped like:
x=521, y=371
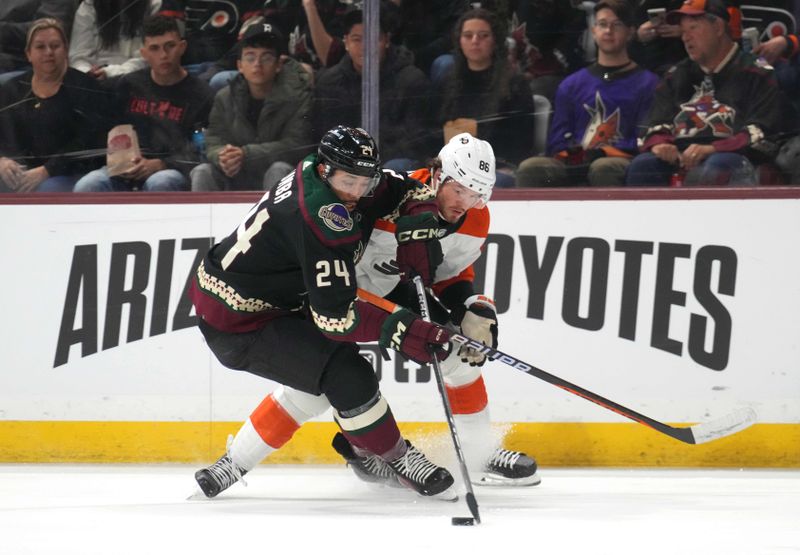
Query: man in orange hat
x=714, y=113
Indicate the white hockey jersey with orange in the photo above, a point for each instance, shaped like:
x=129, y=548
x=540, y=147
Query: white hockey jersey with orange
x=461, y=246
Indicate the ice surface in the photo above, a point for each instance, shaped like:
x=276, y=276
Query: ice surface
x=142, y=510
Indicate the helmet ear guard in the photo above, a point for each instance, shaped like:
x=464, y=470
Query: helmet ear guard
x=471, y=162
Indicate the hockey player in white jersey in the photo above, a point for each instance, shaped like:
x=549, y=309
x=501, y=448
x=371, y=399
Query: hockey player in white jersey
x=463, y=176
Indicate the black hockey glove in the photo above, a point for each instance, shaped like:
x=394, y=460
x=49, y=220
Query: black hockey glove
x=413, y=337
x=418, y=249
x=479, y=322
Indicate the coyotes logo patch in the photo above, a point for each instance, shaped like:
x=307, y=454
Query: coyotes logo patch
x=703, y=113
x=602, y=130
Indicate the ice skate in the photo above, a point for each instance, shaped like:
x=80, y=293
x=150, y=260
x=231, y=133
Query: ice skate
x=417, y=473
x=508, y=468
x=219, y=476
x=370, y=469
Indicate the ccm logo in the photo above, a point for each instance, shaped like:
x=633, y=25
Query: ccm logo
x=417, y=235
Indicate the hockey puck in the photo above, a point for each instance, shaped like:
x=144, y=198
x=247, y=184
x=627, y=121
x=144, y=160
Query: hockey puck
x=463, y=521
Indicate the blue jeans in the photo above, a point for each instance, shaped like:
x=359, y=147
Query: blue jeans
x=198, y=68
x=98, y=181
x=440, y=67
x=504, y=180
x=57, y=184
x=220, y=80
x=721, y=168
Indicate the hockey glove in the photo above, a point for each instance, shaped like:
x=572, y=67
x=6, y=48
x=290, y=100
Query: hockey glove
x=418, y=248
x=413, y=337
x=479, y=323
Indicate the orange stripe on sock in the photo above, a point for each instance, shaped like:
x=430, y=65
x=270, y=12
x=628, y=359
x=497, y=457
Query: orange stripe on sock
x=468, y=399
x=273, y=423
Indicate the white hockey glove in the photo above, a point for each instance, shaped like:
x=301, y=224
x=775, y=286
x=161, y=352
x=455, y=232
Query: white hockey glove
x=479, y=323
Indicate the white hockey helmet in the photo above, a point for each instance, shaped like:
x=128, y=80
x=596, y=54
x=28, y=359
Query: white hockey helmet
x=470, y=161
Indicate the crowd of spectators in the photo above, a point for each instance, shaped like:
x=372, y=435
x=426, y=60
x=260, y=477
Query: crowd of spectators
x=210, y=96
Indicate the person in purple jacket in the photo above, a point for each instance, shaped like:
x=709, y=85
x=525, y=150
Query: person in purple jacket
x=598, y=111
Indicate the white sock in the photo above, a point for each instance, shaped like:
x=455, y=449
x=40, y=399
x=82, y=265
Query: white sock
x=478, y=441
x=248, y=449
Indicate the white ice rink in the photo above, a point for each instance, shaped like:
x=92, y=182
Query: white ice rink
x=142, y=510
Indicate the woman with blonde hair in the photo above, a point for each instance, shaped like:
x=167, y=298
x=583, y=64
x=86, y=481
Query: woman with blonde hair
x=51, y=117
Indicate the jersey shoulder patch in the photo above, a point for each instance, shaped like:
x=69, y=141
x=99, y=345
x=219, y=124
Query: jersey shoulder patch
x=323, y=212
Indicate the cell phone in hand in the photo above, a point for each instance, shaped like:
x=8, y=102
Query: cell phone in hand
x=657, y=16
x=750, y=39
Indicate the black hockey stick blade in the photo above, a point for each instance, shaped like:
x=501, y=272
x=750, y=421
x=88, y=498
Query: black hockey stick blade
x=472, y=503
x=699, y=433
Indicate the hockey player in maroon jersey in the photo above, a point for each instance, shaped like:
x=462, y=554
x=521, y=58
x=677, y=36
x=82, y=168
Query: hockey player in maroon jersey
x=277, y=298
x=466, y=224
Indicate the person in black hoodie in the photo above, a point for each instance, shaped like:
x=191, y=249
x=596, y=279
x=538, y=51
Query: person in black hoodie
x=405, y=129
x=485, y=96
x=51, y=118
x=165, y=105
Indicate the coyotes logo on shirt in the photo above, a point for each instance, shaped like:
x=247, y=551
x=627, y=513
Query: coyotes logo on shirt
x=704, y=113
x=602, y=130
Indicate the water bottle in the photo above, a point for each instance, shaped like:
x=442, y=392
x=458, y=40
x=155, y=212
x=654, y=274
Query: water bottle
x=199, y=141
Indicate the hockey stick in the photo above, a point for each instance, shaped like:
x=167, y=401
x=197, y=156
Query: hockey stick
x=472, y=503
x=704, y=432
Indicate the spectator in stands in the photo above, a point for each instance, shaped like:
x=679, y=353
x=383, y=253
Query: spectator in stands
x=777, y=48
x=425, y=28
x=405, y=127
x=313, y=42
x=16, y=17
x=211, y=30
x=715, y=114
x=598, y=111
x=324, y=28
x=546, y=42
x=484, y=96
x=320, y=38
x=107, y=36
x=657, y=45
x=325, y=21
x=51, y=117
x=782, y=52
x=165, y=104
x=260, y=124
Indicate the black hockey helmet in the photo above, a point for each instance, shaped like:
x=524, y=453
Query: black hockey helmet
x=350, y=149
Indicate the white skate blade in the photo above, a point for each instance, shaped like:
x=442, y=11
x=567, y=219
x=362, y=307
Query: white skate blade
x=198, y=495
x=496, y=480
x=383, y=486
x=449, y=495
